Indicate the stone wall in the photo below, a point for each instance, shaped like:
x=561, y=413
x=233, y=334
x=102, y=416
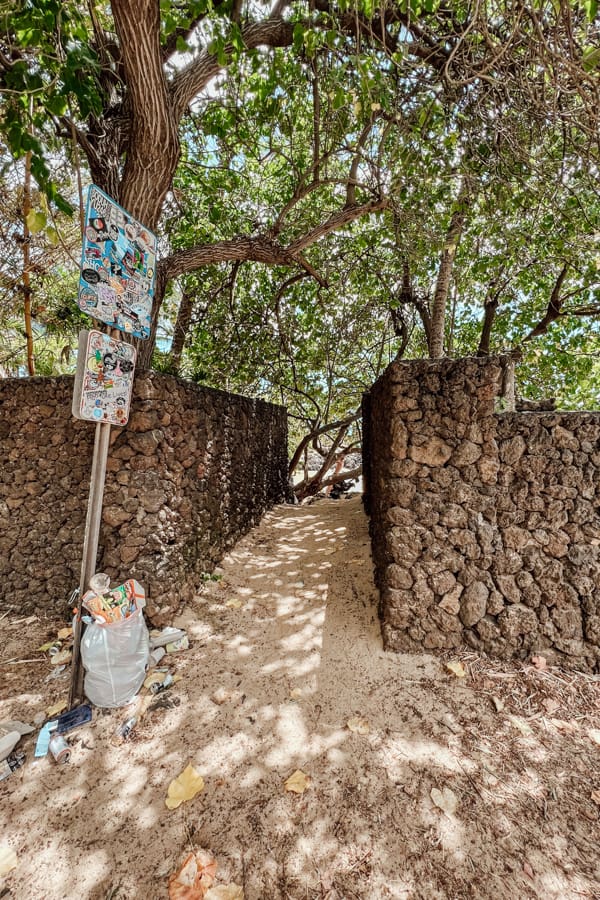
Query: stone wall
x=485, y=525
x=194, y=469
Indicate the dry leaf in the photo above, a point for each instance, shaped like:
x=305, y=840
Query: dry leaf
x=184, y=787
x=221, y=696
x=596, y=797
x=47, y=646
x=550, y=705
x=57, y=708
x=594, y=733
x=61, y=659
x=194, y=878
x=445, y=799
x=519, y=723
x=539, y=662
x=358, y=725
x=234, y=604
x=456, y=668
x=8, y=859
x=499, y=704
x=295, y=694
x=64, y=633
x=528, y=870
x=225, y=892
x=298, y=782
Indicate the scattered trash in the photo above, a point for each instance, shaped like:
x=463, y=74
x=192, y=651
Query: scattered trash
x=43, y=739
x=456, y=668
x=180, y=644
x=446, y=800
x=16, y=725
x=158, y=686
x=184, y=787
x=358, y=725
x=10, y=764
x=124, y=730
x=59, y=749
x=62, y=658
x=157, y=655
x=168, y=635
x=8, y=859
x=115, y=653
x=74, y=718
x=9, y=738
x=297, y=782
x=55, y=673
x=65, y=633
x=194, y=878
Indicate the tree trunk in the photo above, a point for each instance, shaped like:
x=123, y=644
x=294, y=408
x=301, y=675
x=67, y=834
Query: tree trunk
x=182, y=327
x=26, y=255
x=442, y=287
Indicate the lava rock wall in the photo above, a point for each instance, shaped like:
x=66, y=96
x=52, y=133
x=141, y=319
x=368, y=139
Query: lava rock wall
x=193, y=470
x=485, y=524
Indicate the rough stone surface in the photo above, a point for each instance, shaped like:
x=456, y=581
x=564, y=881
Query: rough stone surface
x=488, y=521
x=191, y=473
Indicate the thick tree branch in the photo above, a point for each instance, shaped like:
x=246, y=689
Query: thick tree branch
x=187, y=83
x=554, y=309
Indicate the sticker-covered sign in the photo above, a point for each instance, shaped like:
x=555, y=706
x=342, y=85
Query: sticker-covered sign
x=104, y=379
x=118, y=266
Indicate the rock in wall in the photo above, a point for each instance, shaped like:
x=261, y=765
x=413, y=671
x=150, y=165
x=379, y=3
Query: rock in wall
x=485, y=525
x=193, y=470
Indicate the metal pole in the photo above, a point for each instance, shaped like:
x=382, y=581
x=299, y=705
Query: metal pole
x=90, y=549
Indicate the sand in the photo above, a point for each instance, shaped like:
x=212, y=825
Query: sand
x=285, y=651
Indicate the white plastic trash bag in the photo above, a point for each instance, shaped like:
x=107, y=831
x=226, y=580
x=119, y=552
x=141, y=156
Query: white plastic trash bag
x=115, y=657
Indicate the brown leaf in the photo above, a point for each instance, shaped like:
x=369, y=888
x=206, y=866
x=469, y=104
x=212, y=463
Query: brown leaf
x=194, y=878
x=528, y=870
x=539, y=662
x=358, y=725
x=499, y=704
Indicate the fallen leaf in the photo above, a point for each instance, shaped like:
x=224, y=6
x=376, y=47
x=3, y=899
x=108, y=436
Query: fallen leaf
x=539, y=662
x=225, y=892
x=194, y=878
x=184, y=787
x=8, y=859
x=298, y=782
x=295, y=694
x=61, y=659
x=594, y=733
x=65, y=633
x=550, y=705
x=456, y=668
x=234, y=604
x=528, y=870
x=499, y=704
x=47, y=646
x=596, y=797
x=221, y=696
x=56, y=708
x=519, y=723
x=358, y=725
x=445, y=799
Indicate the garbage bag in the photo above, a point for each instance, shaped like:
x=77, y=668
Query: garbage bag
x=115, y=657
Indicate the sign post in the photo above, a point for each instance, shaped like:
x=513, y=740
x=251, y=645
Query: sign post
x=116, y=286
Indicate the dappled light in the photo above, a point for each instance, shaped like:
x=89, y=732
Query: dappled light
x=295, y=679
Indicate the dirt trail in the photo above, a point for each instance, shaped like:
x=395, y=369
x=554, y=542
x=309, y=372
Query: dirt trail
x=285, y=650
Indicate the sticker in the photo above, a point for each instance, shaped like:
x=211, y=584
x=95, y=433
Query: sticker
x=104, y=379
x=118, y=267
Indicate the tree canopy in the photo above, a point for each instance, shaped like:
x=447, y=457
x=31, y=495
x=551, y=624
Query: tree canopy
x=334, y=183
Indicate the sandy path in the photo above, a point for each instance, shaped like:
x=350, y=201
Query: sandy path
x=525, y=824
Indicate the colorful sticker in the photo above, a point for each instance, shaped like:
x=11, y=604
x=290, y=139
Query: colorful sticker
x=104, y=379
x=118, y=266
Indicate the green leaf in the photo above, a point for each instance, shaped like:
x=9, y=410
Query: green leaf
x=36, y=221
